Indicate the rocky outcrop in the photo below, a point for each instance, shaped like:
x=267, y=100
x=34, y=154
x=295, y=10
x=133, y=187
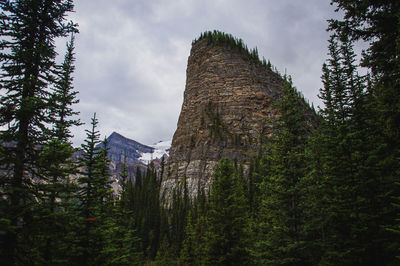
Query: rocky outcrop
x=227, y=107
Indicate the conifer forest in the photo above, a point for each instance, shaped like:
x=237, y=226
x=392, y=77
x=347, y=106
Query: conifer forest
x=325, y=193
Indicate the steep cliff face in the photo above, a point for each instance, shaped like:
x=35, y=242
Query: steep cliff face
x=227, y=103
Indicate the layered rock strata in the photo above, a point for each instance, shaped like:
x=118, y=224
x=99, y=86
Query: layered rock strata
x=227, y=108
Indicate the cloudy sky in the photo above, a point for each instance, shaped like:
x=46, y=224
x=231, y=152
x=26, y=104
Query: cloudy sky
x=131, y=56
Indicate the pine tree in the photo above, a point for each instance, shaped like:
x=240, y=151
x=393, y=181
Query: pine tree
x=178, y=212
x=227, y=219
x=103, y=181
x=125, y=182
x=317, y=212
x=28, y=29
x=356, y=194
x=56, y=160
x=164, y=256
x=95, y=200
x=189, y=254
x=260, y=169
x=377, y=24
x=146, y=206
x=378, y=21
x=335, y=178
x=124, y=245
x=193, y=250
x=282, y=209
x=88, y=161
x=64, y=96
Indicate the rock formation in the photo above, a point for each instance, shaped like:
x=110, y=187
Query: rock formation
x=226, y=108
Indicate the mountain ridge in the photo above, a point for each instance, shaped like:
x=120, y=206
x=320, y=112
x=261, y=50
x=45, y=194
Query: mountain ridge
x=120, y=145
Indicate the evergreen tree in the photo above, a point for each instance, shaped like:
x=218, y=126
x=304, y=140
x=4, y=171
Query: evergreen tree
x=195, y=241
x=335, y=175
x=377, y=23
x=282, y=210
x=95, y=196
x=28, y=29
x=146, y=206
x=165, y=254
x=103, y=180
x=57, y=163
x=125, y=182
x=356, y=202
x=189, y=253
x=178, y=213
x=124, y=245
x=226, y=236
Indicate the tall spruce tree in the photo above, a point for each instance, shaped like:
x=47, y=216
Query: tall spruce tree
x=28, y=29
x=56, y=162
x=146, y=206
x=189, y=254
x=122, y=244
x=226, y=236
x=178, y=212
x=338, y=180
x=194, y=244
x=356, y=194
x=127, y=241
x=377, y=24
x=95, y=199
x=282, y=208
x=359, y=140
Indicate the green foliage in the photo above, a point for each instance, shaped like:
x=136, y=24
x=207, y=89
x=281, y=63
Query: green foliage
x=377, y=23
x=353, y=156
x=220, y=38
x=226, y=234
x=165, y=254
x=56, y=166
x=281, y=217
x=63, y=96
x=96, y=224
x=144, y=202
x=178, y=212
x=125, y=238
x=28, y=76
x=95, y=186
x=189, y=251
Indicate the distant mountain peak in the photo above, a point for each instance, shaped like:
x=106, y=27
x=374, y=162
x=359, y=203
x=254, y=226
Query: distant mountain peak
x=115, y=134
x=136, y=152
x=136, y=155
x=116, y=137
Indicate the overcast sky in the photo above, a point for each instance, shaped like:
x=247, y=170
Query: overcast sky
x=131, y=56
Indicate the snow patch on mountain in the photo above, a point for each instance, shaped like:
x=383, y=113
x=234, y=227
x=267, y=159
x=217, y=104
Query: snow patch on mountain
x=160, y=148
